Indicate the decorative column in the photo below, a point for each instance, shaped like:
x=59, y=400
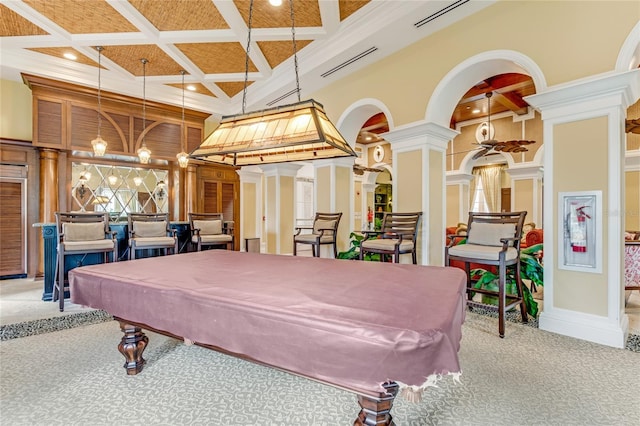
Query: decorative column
x=584, y=148
x=251, y=212
x=190, y=180
x=334, y=193
x=48, y=198
x=279, y=211
x=458, y=198
x=419, y=184
x=526, y=194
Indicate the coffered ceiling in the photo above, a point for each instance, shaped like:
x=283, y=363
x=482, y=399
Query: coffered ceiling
x=208, y=40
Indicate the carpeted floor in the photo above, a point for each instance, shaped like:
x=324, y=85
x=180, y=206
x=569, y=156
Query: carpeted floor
x=531, y=377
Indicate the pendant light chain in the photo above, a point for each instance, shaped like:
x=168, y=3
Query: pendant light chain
x=144, y=97
x=183, y=73
x=246, y=59
x=99, y=49
x=295, y=49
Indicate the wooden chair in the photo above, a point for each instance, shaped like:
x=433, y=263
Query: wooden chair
x=210, y=230
x=493, y=239
x=398, y=235
x=151, y=231
x=323, y=231
x=81, y=234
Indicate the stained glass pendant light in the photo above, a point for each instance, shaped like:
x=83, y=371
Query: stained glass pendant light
x=296, y=132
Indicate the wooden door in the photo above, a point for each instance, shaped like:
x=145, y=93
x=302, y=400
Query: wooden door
x=505, y=200
x=12, y=228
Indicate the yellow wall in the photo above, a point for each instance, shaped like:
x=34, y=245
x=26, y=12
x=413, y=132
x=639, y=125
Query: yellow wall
x=271, y=231
x=15, y=111
x=343, y=204
x=435, y=223
x=522, y=194
x=581, y=291
x=632, y=201
x=248, y=195
x=408, y=183
x=357, y=202
x=287, y=209
x=323, y=189
x=568, y=40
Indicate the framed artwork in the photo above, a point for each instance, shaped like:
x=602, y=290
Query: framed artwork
x=581, y=231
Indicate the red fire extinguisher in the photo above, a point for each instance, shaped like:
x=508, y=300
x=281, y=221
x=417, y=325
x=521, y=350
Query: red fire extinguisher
x=578, y=230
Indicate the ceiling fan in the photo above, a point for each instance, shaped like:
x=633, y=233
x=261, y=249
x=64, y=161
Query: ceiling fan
x=489, y=144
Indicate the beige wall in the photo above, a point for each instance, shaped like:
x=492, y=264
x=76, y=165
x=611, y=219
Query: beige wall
x=539, y=30
x=435, y=222
x=632, y=201
x=357, y=202
x=15, y=111
x=343, y=204
x=323, y=189
x=452, y=201
x=408, y=184
x=270, y=230
x=248, y=194
x=580, y=291
x=287, y=211
x=522, y=194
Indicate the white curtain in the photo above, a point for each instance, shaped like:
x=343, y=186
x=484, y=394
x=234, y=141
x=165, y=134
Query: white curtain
x=491, y=185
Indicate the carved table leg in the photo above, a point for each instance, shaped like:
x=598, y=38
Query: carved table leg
x=377, y=411
x=131, y=346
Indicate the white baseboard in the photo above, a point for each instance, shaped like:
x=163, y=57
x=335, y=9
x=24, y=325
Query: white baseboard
x=583, y=326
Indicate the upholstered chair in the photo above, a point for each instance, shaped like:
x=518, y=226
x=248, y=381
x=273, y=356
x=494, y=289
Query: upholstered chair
x=210, y=230
x=151, y=231
x=81, y=234
x=324, y=231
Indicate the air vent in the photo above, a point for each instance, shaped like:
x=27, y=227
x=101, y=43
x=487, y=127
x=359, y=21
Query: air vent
x=349, y=61
x=440, y=13
x=286, y=95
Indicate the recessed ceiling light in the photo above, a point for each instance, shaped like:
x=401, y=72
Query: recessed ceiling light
x=70, y=55
x=475, y=111
x=191, y=87
x=275, y=2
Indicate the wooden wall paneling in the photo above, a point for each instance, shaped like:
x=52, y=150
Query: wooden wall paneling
x=12, y=227
x=48, y=127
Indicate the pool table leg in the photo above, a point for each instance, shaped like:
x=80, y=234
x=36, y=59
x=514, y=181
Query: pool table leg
x=377, y=411
x=131, y=346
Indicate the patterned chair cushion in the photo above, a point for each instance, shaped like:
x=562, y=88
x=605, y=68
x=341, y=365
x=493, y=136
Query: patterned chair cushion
x=83, y=231
x=150, y=229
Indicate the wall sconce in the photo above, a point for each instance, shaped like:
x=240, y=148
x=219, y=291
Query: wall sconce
x=160, y=191
x=83, y=179
x=137, y=180
x=113, y=179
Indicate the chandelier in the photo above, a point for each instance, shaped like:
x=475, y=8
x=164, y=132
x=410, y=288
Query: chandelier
x=296, y=132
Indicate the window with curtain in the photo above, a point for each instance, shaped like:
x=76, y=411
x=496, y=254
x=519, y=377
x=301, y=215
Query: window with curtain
x=486, y=188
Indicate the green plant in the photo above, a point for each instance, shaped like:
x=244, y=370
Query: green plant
x=377, y=223
x=530, y=269
x=354, y=249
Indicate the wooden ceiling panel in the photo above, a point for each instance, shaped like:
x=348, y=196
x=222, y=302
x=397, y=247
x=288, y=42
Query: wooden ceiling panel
x=182, y=15
x=13, y=24
x=348, y=7
x=232, y=88
x=217, y=58
x=306, y=14
x=129, y=58
x=59, y=52
x=83, y=17
x=276, y=52
x=200, y=88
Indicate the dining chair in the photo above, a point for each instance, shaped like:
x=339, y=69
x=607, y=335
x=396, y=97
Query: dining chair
x=397, y=235
x=151, y=231
x=323, y=232
x=492, y=239
x=210, y=230
x=81, y=234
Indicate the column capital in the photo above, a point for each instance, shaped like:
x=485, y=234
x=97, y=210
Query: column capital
x=527, y=172
x=281, y=169
x=341, y=161
x=454, y=178
x=578, y=100
x=420, y=134
x=249, y=176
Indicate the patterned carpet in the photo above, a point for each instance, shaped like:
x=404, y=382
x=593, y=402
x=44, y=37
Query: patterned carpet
x=531, y=377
